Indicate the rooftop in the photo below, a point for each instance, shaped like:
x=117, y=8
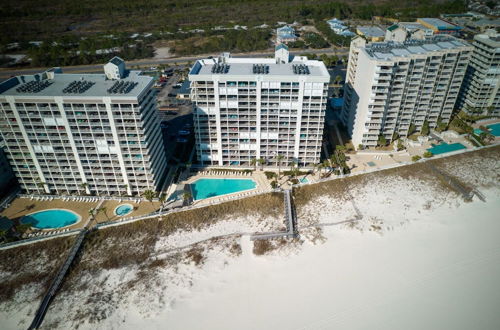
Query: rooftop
x=491, y=39
x=410, y=26
x=50, y=84
x=116, y=60
x=388, y=50
x=264, y=67
x=371, y=31
x=440, y=24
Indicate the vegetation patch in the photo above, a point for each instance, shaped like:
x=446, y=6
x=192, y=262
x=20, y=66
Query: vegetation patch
x=32, y=264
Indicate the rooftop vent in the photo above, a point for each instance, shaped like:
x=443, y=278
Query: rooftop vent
x=260, y=69
x=300, y=69
x=122, y=87
x=34, y=86
x=78, y=87
x=220, y=68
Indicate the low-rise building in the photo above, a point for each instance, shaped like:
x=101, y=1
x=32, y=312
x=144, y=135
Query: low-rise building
x=285, y=34
x=371, y=33
x=401, y=31
x=440, y=26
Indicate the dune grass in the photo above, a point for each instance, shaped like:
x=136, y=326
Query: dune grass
x=32, y=264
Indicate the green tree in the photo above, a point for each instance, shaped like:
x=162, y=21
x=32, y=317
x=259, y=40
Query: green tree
x=425, y=128
x=416, y=158
x=186, y=196
x=428, y=154
x=253, y=162
x=279, y=160
x=261, y=161
x=381, y=140
x=411, y=129
x=149, y=195
x=103, y=210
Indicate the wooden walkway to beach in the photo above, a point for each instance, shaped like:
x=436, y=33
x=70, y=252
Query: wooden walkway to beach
x=56, y=283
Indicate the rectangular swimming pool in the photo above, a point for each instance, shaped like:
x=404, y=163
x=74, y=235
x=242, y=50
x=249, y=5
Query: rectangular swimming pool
x=445, y=147
x=206, y=188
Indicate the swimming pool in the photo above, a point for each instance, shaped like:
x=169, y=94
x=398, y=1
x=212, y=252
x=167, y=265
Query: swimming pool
x=206, y=188
x=53, y=218
x=494, y=129
x=123, y=209
x=304, y=180
x=478, y=131
x=445, y=147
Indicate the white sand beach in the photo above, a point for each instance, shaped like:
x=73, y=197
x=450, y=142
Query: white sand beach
x=418, y=258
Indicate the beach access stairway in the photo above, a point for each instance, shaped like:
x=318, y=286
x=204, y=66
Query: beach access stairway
x=467, y=193
x=56, y=283
x=290, y=220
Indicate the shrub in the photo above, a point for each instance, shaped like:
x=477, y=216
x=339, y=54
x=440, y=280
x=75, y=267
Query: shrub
x=428, y=154
x=416, y=158
x=262, y=246
x=294, y=181
x=270, y=175
x=274, y=184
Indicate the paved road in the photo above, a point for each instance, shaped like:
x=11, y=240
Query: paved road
x=7, y=73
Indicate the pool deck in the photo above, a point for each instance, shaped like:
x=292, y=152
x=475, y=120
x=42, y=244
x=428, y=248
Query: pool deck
x=23, y=206
x=142, y=208
x=258, y=176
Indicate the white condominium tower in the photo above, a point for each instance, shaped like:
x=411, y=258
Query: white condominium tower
x=259, y=108
x=392, y=85
x=481, y=89
x=83, y=133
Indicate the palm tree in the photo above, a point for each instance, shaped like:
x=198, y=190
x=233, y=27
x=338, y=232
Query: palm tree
x=261, y=161
x=125, y=186
x=149, y=195
x=186, y=196
x=253, y=162
x=92, y=212
x=83, y=185
x=279, y=159
x=103, y=210
x=40, y=184
x=326, y=163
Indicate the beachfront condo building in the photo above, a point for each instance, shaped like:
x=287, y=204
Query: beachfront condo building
x=83, y=133
x=393, y=88
x=259, y=108
x=480, y=93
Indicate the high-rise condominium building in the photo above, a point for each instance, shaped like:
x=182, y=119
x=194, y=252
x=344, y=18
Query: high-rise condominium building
x=480, y=93
x=259, y=108
x=83, y=133
x=393, y=85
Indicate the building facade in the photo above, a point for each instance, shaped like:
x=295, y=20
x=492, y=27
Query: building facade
x=394, y=86
x=259, y=108
x=82, y=133
x=7, y=179
x=480, y=94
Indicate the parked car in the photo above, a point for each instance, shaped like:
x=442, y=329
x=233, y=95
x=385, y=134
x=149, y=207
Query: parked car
x=171, y=95
x=184, y=132
x=181, y=140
